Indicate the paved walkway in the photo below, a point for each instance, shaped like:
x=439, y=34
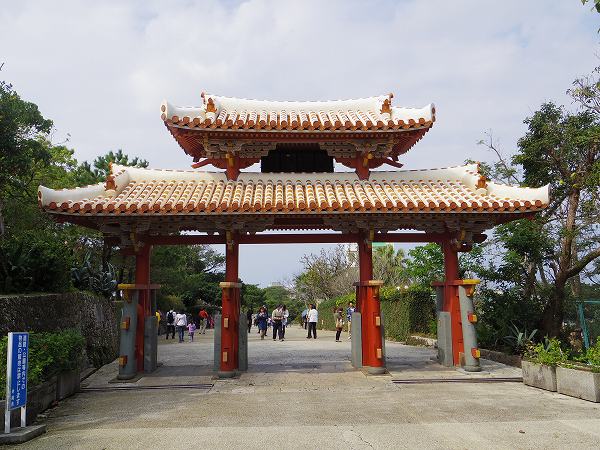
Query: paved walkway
x=303, y=393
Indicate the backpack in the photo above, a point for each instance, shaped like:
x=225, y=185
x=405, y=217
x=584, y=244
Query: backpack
x=170, y=317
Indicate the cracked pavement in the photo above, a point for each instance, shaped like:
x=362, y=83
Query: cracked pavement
x=304, y=393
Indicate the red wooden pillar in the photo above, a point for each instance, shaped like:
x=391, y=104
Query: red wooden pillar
x=369, y=307
x=230, y=313
x=451, y=300
x=142, y=277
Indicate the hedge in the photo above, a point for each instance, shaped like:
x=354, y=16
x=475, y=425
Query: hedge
x=405, y=312
x=49, y=354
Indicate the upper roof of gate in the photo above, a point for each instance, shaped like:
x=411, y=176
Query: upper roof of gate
x=373, y=118
x=364, y=114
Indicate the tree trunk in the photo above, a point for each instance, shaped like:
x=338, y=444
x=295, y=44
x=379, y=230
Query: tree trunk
x=554, y=311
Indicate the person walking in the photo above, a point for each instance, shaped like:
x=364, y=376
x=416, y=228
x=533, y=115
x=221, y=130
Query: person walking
x=261, y=321
x=203, y=315
x=284, y=321
x=171, y=323
x=313, y=318
x=338, y=317
x=249, y=314
x=181, y=324
x=349, y=311
x=191, y=329
x=277, y=319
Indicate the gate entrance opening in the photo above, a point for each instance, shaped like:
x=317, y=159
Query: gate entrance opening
x=136, y=209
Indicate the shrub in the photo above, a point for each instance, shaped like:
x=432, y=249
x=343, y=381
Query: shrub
x=325, y=310
x=497, y=310
x=591, y=359
x=35, y=261
x=549, y=353
x=407, y=311
x=404, y=311
x=519, y=340
x=49, y=354
x=592, y=355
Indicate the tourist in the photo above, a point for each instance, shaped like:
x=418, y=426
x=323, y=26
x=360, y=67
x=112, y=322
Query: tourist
x=203, y=315
x=312, y=317
x=181, y=324
x=284, y=322
x=349, y=311
x=338, y=317
x=277, y=319
x=261, y=321
x=249, y=314
x=191, y=329
x=171, y=323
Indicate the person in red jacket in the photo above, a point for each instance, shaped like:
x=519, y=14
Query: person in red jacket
x=203, y=319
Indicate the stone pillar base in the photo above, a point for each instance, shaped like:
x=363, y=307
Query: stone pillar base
x=227, y=374
x=375, y=370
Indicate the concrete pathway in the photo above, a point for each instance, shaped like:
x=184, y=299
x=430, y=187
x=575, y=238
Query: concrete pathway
x=303, y=393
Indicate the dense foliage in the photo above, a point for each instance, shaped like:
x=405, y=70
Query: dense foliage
x=39, y=255
x=405, y=311
x=49, y=354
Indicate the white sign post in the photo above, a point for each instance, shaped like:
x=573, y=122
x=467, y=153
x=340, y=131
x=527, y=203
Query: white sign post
x=17, y=362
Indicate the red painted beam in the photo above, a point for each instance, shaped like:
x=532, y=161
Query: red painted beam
x=294, y=238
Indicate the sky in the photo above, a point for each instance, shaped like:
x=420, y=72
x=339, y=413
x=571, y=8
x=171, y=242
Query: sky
x=100, y=70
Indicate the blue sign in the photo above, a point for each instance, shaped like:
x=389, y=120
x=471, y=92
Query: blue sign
x=18, y=363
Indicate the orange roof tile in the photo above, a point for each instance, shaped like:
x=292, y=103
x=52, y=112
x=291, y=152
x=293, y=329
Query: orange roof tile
x=149, y=192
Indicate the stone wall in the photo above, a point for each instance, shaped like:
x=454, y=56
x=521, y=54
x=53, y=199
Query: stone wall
x=97, y=319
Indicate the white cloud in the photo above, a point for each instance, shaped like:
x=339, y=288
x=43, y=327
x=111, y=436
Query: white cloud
x=101, y=69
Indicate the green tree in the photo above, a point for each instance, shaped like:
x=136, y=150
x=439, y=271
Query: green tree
x=545, y=259
x=252, y=296
x=23, y=143
x=191, y=273
x=562, y=149
x=425, y=265
x=329, y=274
x=388, y=265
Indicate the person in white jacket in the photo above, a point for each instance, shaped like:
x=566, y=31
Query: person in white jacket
x=313, y=318
x=181, y=323
x=284, y=322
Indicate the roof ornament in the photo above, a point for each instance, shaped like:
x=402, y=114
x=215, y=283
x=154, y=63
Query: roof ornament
x=211, y=110
x=386, y=108
x=481, y=182
x=110, y=184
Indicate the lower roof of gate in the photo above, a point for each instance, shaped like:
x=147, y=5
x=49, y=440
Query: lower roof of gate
x=163, y=202
x=131, y=191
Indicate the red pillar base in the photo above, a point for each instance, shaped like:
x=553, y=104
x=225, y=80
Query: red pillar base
x=230, y=327
x=451, y=300
x=230, y=311
x=373, y=358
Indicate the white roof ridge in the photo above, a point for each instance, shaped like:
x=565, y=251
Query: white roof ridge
x=307, y=102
